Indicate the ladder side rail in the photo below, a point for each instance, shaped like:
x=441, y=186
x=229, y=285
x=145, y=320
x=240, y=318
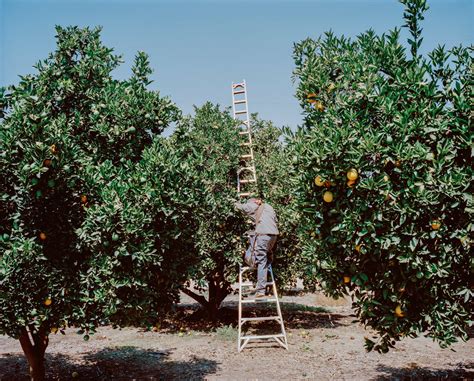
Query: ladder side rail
x=239, y=347
x=275, y=294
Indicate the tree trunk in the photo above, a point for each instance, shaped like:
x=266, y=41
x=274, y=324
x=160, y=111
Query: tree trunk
x=34, y=351
x=217, y=293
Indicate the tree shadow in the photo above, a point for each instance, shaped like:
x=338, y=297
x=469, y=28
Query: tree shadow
x=192, y=317
x=464, y=372
x=116, y=363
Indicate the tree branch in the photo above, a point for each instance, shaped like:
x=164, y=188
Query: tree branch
x=198, y=298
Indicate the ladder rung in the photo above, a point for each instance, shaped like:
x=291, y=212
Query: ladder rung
x=240, y=84
x=244, y=194
x=240, y=112
x=261, y=336
x=258, y=300
x=251, y=169
x=240, y=102
x=260, y=318
x=245, y=181
x=247, y=284
x=246, y=156
x=244, y=132
x=239, y=92
x=245, y=144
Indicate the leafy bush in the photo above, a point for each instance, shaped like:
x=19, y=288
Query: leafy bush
x=385, y=179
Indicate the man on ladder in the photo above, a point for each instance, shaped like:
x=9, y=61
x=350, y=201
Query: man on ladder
x=262, y=239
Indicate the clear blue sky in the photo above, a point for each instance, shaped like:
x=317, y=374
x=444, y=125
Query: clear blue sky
x=197, y=48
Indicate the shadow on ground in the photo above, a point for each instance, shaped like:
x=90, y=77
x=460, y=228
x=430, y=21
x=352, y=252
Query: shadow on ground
x=117, y=363
x=192, y=317
x=464, y=372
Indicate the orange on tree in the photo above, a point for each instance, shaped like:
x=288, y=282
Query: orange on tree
x=53, y=149
x=48, y=302
x=347, y=279
x=318, y=181
x=311, y=97
x=358, y=247
x=436, y=224
x=399, y=312
x=83, y=198
x=351, y=183
x=328, y=196
x=46, y=162
x=319, y=106
x=42, y=236
x=352, y=174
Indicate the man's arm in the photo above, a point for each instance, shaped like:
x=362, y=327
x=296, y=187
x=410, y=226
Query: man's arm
x=248, y=207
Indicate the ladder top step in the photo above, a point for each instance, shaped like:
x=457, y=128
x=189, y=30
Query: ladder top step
x=261, y=337
x=244, y=156
x=259, y=300
x=240, y=84
x=262, y=318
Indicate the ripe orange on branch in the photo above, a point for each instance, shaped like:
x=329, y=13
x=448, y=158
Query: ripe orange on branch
x=42, y=236
x=318, y=181
x=399, y=312
x=328, y=196
x=352, y=174
x=48, y=302
x=435, y=225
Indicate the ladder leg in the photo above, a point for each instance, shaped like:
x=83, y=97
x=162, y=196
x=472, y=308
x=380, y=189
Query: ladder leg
x=239, y=347
x=282, y=324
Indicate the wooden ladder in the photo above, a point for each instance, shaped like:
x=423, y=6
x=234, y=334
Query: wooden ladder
x=246, y=174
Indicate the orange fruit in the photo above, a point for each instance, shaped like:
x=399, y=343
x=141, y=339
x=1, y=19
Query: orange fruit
x=83, y=198
x=53, y=149
x=48, y=302
x=319, y=106
x=328, y=196
x=46, y=162
x=311, y=97
x=42, y=236
x=318, y=181
x=435, y=225
x=357, y=248
x=327, y=184
x=398, y=163
x=351, y=183
x=347, y=279
x=399, y=312
x=352, y=174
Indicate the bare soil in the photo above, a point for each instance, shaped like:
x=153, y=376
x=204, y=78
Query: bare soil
x=324, y=344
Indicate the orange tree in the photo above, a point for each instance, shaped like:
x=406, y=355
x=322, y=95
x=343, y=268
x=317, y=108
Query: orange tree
x=204, y=155
x=66, y=131
x=385, y=179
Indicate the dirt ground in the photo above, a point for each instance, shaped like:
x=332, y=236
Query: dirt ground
x=324, y=344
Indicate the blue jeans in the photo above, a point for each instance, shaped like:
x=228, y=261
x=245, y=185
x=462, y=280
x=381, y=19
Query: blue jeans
x=260, y=253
